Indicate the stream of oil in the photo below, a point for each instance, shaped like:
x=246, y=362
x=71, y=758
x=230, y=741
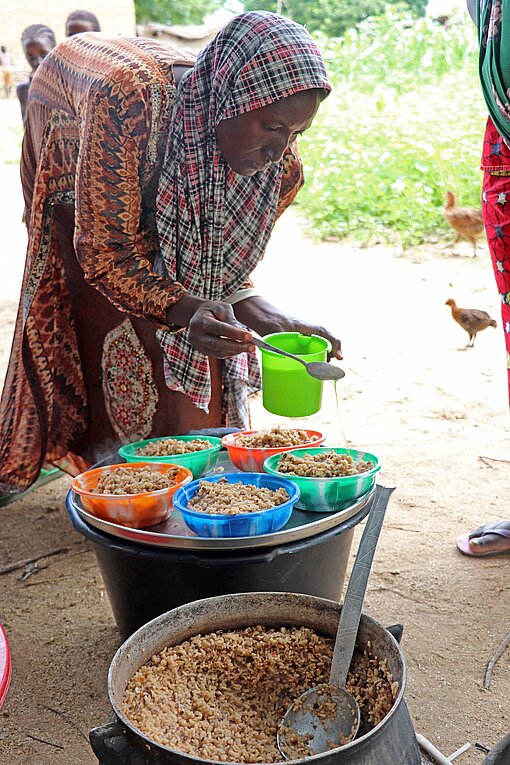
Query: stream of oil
x=339, y=419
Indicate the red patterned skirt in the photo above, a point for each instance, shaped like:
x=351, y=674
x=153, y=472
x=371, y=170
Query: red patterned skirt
x=496, y=217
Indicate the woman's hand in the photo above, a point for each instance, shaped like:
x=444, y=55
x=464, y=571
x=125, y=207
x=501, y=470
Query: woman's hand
x=264, y=318
x=212, y=327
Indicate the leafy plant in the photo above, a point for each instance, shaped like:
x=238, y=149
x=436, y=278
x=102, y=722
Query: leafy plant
x=175, y=11
x=332, y=17
x=403, y=125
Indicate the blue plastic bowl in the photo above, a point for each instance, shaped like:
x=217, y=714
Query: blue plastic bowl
x=244, y=524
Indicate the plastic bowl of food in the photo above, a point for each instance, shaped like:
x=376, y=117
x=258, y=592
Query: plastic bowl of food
x=242, y=524
x=322, y=494
x=135, y=509
x=199, y=461
x=251, y=458
x=5, y=665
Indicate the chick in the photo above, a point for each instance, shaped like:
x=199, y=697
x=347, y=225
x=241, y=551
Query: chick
x=466, y=221
x=471, y=319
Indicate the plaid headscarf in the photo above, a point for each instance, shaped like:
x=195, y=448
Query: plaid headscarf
x=214, y=224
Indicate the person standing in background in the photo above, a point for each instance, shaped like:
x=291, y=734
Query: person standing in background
x=81, y=21
x=492, y=19
x=36, y=40
x=6, y=66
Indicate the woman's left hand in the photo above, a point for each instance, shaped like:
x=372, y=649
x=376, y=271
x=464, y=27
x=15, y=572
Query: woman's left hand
x=256, y=313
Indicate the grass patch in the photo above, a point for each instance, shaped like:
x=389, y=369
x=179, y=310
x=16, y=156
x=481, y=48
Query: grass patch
x=404, y=124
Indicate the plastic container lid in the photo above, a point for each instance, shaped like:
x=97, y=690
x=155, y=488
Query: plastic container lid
x=5, y=665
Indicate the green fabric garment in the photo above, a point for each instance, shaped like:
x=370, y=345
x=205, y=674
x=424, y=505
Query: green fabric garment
x=493, y=22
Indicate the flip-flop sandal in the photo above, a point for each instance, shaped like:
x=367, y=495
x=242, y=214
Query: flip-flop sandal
x=492, y=528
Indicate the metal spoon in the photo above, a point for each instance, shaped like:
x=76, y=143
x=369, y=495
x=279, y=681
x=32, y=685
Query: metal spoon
x=321, y=370
x=327, y=716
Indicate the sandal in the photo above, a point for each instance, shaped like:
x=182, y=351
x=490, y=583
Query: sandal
x=498, y=529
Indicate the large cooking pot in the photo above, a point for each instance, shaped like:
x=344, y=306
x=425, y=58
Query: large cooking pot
x=392, y=742
x=500, y=754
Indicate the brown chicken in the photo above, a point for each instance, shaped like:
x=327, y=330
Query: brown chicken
x=471, y=319
x=466, y=221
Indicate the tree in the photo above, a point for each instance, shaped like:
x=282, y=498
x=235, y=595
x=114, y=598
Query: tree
x=175, y=11
x=332, y=17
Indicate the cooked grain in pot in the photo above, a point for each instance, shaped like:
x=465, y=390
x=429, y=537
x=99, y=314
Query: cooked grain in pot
x=271, y=439
x=168, y=446
x=224, y=498
x=134, y=481
x=323, y=465
x=221, y=696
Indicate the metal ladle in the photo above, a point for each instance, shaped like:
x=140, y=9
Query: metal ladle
x=327, y=716
x=321, y=370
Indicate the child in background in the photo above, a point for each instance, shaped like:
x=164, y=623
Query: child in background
x=37, y=40
x=81, y=21
x=6, y=66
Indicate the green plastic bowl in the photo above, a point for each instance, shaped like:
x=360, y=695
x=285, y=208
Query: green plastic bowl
x=326, y=495
x=287, y=388
x=198, y=462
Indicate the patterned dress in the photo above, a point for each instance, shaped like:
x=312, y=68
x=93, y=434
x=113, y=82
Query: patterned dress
x=496, y=218
x=493, y=24
x=86, y=368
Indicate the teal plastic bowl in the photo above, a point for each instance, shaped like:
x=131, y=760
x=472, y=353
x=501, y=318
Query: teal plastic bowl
x=198, y=462
x=326, y=495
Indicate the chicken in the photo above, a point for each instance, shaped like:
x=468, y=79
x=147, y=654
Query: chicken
x=466, y=221
x=471, y=319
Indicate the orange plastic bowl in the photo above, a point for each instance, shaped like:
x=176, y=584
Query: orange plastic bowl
x=134, y=510
x=251, y=460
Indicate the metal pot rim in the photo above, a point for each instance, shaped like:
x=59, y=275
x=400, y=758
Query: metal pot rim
x=498, y=749
x=286, y=597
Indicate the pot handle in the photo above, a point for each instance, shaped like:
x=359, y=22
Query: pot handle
x=111, y=746
x=397, y=631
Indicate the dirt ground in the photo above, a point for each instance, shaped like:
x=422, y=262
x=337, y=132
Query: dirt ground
x=435, y=413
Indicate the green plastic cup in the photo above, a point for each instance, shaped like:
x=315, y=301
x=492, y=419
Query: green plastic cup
x=287, y=388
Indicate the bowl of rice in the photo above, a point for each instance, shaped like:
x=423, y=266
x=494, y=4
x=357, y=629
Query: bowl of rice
x=236, y=504
x=249, y=449
x=197, y=453
x=330, y=478
x=135, y=495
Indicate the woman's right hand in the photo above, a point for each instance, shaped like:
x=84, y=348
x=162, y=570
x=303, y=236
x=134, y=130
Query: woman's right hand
x=212, y=327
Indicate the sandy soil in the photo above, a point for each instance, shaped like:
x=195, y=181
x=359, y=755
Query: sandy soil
x=435, y=413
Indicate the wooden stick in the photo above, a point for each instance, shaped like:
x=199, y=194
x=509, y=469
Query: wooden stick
x=26, y=561
x=492, y=459
x=494, y=658
x=67, y=719
x=43, y=741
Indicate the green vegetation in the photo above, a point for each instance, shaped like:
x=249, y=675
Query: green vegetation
x=332, y=17
x=404, y=124
x=175, y=11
